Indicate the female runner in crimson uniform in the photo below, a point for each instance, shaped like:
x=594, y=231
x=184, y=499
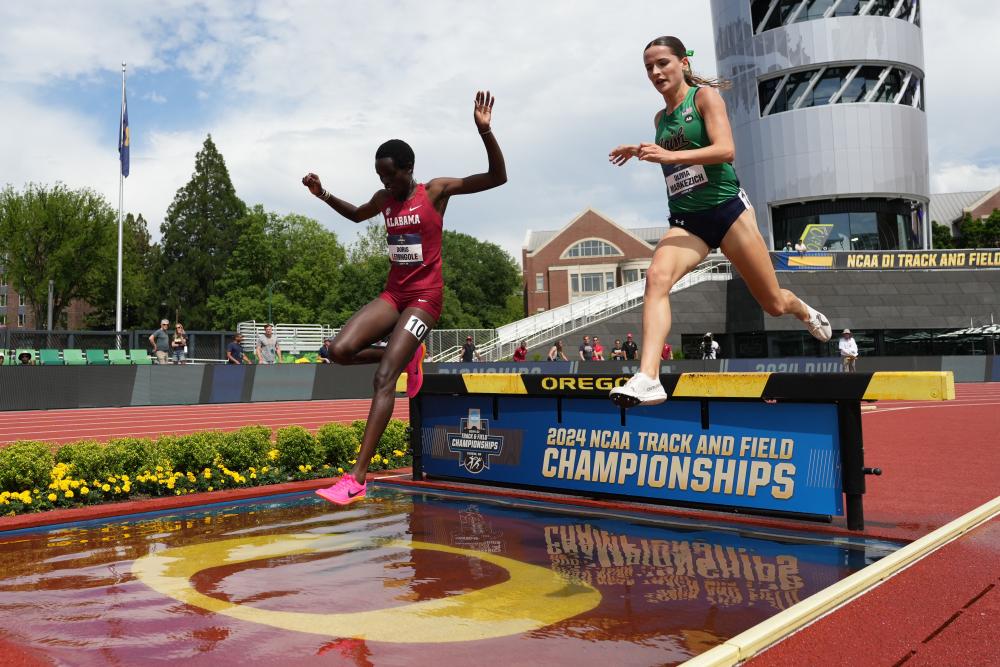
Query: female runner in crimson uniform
x=411, y=303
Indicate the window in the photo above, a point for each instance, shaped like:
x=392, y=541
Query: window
x=770, y=14
x=591, y=282
x=3, y=300
x=539, y=282
x=20, y=300
x=776, y=97
x=592, y=248
x=3, y=279
x=847, y=224
x=3, y=319
x=20, y=319
x=630, y=275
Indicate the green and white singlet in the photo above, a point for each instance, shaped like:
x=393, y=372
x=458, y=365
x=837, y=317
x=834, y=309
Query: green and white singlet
x=692, y=187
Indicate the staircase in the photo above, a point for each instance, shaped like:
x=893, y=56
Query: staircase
x=564, y=320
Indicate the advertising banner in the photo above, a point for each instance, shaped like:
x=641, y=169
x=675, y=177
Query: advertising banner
x=886, y=260
x=783, y=456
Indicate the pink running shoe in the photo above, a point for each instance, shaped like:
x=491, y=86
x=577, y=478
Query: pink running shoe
x=415, y=372
x=345, y=491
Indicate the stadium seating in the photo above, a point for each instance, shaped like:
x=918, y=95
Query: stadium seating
x=118, y=358
x=140, y=357
x=96, y=358
x=50, y=357
x=73, y=357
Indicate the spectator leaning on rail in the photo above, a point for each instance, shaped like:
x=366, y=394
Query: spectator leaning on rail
x=630, y=348
x=521, y=353
x=556, y=352
x=160, y=340
x=268, y=347
x=618, y=352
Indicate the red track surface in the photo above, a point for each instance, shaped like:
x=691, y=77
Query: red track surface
x=60, y=426
x=941, y=460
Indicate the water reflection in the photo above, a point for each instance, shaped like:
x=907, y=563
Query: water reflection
x=554, y=586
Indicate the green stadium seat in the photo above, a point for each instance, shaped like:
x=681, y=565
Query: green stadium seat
x=119, y=358
x=49, y=357
x=140, y=357
x=74, y=358
x=17, y=353
x=96, y=358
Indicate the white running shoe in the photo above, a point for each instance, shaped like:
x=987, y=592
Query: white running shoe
x=639, y=390
x=818, y=325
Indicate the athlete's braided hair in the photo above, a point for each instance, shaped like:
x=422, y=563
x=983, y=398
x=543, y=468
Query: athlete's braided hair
x=692, y=79
x=399, y=151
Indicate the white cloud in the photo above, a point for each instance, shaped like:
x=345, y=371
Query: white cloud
x=286, y=88
x=964, y=177
x=154, y=97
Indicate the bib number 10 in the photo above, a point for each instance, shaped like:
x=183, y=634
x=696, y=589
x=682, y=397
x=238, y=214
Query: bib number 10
x=416, y=327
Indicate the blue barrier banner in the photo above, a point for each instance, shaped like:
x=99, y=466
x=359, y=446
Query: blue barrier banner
x=783, y=365
x=783, y=456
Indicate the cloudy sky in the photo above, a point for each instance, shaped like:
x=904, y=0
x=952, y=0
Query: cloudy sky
x=290, y=87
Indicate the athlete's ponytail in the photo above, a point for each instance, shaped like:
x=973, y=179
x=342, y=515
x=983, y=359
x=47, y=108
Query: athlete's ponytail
x=692, y=79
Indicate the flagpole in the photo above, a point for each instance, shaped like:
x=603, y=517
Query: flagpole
x=121, y=200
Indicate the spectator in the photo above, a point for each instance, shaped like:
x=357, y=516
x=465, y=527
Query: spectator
x=631, y=349
x=160, y=340
x=848, y=350
x=586, y=350
x=668, y=352
x=556, y=352
x=521, y=353
x=469, y=351
x=618, y=352
x=598, y=349
x=25, y=359
x=788, y=246
x=268, y=347
x=324, y=352
x=234, y=352
x=709, y=347
x=179, y=344
x=800, y=246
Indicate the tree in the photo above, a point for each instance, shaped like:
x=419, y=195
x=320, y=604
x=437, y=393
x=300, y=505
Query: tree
x=981, y=233
x=202, y=227
x=294, y=255
x=67, y=236
x=140, y=295
x=941, y=237
x=481, y=276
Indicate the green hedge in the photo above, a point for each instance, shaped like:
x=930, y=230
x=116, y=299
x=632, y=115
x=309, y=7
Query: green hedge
x=32, y=478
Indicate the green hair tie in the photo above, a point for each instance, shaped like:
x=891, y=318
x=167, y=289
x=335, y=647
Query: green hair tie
x=689, y=53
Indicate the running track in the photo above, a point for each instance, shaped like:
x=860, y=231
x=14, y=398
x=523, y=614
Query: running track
x=61, y=426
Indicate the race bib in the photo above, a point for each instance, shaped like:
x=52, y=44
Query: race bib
x=682, y=179
x=405, y=249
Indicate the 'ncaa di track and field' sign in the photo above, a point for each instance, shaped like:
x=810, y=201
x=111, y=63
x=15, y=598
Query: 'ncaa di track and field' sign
x=756, y=442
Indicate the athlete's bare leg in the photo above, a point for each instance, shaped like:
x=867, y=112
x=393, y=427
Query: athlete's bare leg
x=745, y=248
x=675, y=256
x=369, y=325
x=402, y=344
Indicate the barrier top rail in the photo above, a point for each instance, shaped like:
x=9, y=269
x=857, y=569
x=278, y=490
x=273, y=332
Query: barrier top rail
x=803, y=387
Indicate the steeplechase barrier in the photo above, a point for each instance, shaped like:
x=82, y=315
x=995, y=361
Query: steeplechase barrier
x=785, y=444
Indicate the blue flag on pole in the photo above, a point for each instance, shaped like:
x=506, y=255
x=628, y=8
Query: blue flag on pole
x=123, y=137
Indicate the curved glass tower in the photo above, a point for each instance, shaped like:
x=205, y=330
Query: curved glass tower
x=827, y=109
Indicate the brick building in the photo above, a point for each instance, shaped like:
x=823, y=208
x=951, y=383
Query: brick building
x=590, y=254
x=16, y=312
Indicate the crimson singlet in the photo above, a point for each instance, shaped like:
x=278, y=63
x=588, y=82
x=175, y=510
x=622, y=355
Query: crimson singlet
x=413, y=229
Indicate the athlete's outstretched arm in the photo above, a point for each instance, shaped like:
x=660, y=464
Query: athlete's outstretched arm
x=495, y=175
x=722, y=149
x=349, y=211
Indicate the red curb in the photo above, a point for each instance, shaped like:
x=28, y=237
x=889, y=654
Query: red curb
x=107, y=510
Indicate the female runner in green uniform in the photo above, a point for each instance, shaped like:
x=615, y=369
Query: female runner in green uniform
x=708, y=209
